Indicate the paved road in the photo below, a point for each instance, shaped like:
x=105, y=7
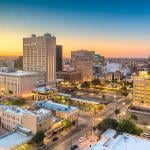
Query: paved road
x=65, y=142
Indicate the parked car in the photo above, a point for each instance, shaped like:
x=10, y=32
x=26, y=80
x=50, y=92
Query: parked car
x=146, y=135
x=81, y=139
x=74, y=147
x=55, y=139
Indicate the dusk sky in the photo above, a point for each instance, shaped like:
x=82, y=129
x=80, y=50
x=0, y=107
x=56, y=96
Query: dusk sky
x=113, y=28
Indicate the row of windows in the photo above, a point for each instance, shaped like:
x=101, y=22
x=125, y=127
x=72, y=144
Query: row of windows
x=10, y=121
x=10, y=116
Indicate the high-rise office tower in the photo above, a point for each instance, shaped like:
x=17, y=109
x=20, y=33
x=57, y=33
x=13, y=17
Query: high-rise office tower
x=59, y=66
x=82, y=60
x=39, y=54
x=141, y=87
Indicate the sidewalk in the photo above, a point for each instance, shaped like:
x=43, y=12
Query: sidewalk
x=85, y=145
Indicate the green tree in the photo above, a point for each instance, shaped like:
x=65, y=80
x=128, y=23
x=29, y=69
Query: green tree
x=117, y=112
x=96, y=82
x=107, y=123
x=121, y=126
x=38, y=137
x=128, y=127
x=133, y=117
x=124, y=91
x=85, y=84
x=66, y=124
x=19, y=102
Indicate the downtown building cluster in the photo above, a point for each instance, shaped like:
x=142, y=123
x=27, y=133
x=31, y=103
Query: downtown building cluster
x=47, y=116
x=40, y=54
x=43, y=68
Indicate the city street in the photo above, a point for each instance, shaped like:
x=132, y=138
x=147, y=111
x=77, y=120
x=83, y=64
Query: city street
x=86, y=119
x=66, y=141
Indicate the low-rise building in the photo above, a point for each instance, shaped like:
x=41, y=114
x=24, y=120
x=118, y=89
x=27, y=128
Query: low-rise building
x=43, y=93
x=70, y=76
x=13, y=140
x=12, y=117
x=113, y=76
x=110, y=140
x=19, y=82
x=59, y=110
x=108, y=76
x=39, y=120
x=112, y=67
x=117, y=76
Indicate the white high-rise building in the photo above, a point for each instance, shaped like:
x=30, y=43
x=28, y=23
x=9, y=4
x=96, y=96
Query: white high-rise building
x=39, y=54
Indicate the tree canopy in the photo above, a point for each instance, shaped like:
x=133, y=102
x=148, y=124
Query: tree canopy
x=66, y=123
x=128, y=127
x=96, y=82
x=121, y=126
x=38, y=137
x=133, y=117
x=107, y=123
x=18, y=102
x=85, y=84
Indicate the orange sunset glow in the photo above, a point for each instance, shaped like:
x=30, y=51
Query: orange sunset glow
x=11, y=45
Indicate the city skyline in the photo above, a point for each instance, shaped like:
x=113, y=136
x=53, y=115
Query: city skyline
x=112, y=28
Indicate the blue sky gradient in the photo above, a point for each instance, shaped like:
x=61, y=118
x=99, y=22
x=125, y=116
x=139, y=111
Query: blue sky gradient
x=99, y=21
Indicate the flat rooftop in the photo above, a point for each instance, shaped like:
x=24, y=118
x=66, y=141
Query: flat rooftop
x=44, y=89
x=55, y=119
x=10, y=141
x=84, y=101
x=19, y=73
x=12, y=109
x=20, y=111
x=121, y=142
x=64, y=94
x=55, y=106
